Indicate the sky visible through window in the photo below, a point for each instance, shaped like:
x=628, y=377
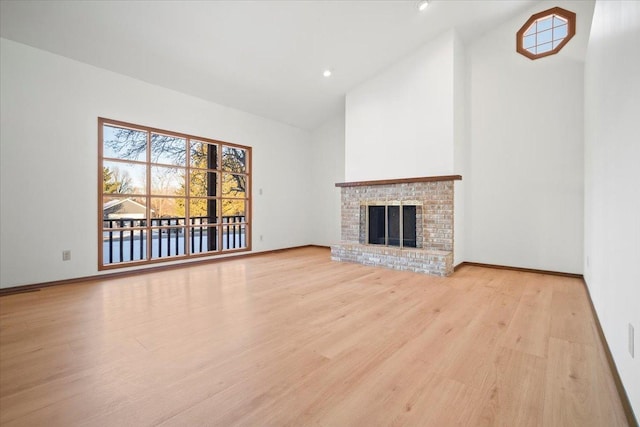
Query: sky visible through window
x=137, y=173
x=545, y=34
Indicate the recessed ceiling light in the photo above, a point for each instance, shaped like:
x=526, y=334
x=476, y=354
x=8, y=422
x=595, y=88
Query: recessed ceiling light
x=327, y=73
x=422, y=5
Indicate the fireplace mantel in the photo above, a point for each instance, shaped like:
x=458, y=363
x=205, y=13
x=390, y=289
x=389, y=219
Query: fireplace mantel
x=400, y=181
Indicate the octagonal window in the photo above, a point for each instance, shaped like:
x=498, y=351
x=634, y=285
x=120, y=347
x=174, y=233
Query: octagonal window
x=545, y=33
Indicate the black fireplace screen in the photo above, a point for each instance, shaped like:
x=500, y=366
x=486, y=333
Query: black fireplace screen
x=391, y=225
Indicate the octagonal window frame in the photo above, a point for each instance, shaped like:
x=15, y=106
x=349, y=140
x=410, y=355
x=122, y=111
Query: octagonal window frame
x=556, y=43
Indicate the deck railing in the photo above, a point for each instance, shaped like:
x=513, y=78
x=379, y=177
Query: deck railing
x=125, y=239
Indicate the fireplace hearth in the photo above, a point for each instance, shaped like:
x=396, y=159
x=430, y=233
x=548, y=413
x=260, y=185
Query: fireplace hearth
x=405, y=224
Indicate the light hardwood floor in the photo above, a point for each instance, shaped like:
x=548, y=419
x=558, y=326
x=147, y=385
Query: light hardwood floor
x=295, y=339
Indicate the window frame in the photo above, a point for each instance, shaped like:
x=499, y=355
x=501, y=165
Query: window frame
x=149, y=194
x=569, y=16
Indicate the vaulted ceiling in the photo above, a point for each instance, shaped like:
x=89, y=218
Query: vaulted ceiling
x=262, y=57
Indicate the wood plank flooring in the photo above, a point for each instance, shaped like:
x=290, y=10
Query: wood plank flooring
x=294, y=339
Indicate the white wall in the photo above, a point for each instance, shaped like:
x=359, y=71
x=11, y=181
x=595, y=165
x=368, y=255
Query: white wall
x=327, y=153
x=48, y=135
x=460, y=150
x=612, y=181
x=525, y=189
x=399, y=124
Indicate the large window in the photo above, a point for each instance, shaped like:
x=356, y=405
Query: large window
x=166, y=195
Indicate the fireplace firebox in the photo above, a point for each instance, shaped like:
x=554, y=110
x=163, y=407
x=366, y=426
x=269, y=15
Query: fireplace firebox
x=391, y=225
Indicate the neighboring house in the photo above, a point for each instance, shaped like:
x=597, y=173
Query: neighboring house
x=125, y=208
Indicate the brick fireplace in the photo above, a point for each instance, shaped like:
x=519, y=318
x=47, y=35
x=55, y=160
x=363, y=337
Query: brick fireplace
x=405, y=224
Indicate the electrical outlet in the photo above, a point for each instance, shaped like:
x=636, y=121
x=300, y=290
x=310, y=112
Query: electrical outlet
x=66, y=255
x=261, y=237
x=631, y=340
